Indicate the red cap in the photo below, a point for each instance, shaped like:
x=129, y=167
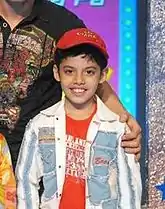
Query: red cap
x=79, y=36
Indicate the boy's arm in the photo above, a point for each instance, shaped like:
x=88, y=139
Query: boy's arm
x=131, y=141
x=28, y=171
x=7, y=179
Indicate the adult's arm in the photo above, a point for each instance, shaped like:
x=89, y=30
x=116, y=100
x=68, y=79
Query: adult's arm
x=130, y=141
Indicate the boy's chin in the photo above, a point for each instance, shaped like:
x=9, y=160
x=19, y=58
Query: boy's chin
x=80, y=103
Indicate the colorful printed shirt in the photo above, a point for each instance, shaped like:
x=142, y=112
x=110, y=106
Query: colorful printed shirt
x=7, y=179
x=26, y=67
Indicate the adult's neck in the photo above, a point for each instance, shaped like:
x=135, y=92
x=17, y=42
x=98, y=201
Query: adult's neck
x=14, y=13
x=80, y=112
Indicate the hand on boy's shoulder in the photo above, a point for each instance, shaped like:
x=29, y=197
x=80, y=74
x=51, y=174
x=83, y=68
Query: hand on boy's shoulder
x=131, y=140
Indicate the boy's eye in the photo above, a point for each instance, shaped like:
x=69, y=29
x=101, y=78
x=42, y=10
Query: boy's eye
x=90, y=72
x=68, y=71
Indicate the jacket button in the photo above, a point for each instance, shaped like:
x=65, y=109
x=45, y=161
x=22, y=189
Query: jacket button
x=4, y=25
x=59, y=166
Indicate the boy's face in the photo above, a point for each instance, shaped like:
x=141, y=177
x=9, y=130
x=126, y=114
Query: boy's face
x=79, y=77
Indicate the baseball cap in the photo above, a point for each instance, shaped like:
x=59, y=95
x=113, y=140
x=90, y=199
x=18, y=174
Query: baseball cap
x=80, y=36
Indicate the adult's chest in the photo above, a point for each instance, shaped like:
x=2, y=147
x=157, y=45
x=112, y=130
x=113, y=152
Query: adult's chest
x=26, y=51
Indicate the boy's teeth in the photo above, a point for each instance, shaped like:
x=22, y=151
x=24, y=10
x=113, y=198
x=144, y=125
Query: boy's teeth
x=78, y=90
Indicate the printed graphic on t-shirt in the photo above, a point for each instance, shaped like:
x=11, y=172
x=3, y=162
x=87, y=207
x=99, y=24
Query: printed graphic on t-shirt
x=75, y=155
x=27, y=51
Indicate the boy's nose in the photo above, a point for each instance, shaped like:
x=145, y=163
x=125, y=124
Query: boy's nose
x=79, y=79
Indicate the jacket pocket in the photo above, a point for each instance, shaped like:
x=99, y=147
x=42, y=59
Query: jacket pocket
x=98, y=189
x=103, y=160
x=48, y=157
x=103, y=167
x=104, y=154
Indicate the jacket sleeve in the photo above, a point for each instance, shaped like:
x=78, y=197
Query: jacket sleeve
x=129, y=176
x=135, y=179
x=134, y=168
x=28, y=171
x=7, y=179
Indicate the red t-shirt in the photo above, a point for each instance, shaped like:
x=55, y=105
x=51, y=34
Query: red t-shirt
x=73, y=195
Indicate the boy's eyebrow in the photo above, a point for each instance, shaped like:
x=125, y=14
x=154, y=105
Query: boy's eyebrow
x=86, y=68
x=68, y=66
x=93, y=67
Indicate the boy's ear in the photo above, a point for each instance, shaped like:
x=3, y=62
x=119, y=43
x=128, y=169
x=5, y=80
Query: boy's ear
x=56, y=73
x=103, y=75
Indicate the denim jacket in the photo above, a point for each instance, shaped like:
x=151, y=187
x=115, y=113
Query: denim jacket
x=112, y=176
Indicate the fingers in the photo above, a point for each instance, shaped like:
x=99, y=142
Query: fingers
x=134, y=126
x=135, y=151
x=124, y=117
x=132, y=136
x=137, y=157
x=134, y=133
x=131, y=142
x=133, y=147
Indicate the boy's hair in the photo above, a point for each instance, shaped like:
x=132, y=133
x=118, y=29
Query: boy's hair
x=89, y=51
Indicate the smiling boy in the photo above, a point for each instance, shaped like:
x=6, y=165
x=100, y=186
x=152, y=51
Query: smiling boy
x=75, y=145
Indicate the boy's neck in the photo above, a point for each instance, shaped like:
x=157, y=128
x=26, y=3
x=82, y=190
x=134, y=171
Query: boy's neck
x=79, y=112
x=14, y=13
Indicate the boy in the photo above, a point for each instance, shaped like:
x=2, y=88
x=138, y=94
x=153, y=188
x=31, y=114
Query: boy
x=75, y=145
x=7, y=179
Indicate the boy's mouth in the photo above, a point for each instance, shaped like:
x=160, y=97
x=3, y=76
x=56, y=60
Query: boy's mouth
x=78, y=90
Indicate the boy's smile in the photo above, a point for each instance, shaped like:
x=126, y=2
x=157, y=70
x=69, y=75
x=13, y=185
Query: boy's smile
x=78, y=91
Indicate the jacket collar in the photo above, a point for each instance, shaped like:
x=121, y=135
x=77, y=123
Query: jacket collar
x=102, y=113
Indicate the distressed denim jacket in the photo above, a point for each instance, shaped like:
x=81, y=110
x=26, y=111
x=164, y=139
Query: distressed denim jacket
x=112, y=176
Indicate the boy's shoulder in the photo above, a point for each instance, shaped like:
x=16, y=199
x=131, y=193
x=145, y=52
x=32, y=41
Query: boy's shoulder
x=54, y=109
x=108, y=117
x=104, y=112
x=47, y=115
